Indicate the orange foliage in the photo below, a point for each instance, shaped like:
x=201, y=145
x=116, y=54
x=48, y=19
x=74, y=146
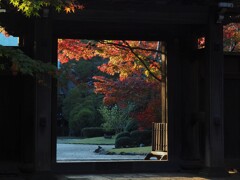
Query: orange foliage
x=121, y=59
x=72, y=5
x=69, y=49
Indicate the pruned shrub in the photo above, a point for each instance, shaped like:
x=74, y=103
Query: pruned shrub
x=123, y=134
x=79, y=119
x=123, y=142
x=89, y=132
x=141, y=137
x=131, y=126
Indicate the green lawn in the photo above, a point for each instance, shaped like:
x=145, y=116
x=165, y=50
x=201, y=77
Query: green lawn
x=95, y=140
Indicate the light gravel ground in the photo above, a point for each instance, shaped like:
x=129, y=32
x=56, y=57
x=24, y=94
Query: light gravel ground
x=79, y=152
x=82, y=152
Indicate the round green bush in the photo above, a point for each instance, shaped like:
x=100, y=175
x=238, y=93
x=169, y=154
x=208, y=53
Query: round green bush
x=123, y=134
x=123, y=142
x=80, y=118
x=89, y=132
x=141, y=137
x=131, y=126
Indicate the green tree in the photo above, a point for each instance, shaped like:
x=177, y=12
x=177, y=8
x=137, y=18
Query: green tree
x=81, y=117
x=14, y=59
x=80, y=108
x=116, y=118
x=78, y=72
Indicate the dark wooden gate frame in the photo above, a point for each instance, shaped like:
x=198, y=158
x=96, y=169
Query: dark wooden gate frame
x=101, y=166
x=170, y=27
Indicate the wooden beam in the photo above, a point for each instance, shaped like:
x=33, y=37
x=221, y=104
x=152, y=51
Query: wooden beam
x=163, y=15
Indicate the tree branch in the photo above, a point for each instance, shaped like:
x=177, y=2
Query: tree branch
x=133, y=48
x=124, y=47
x=142, y=61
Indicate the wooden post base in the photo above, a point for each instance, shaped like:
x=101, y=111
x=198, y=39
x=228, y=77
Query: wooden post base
x=160, y=155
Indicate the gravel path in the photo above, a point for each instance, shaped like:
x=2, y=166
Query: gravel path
x=82, y=152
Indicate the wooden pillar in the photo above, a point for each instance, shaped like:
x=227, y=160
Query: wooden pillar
x=214, y=152
x=174, y=101
x=164, y=83
x=43, y=52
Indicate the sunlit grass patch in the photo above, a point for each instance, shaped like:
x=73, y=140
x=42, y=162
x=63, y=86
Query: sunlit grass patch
x=135, y=150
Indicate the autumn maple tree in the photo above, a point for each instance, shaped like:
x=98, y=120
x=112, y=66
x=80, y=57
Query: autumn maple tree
x=133, y=70
x=145, y=95
x=32, y=8
x=231, y=37
x=125, y=58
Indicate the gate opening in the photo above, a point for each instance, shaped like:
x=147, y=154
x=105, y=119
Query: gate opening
x=112, y=94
